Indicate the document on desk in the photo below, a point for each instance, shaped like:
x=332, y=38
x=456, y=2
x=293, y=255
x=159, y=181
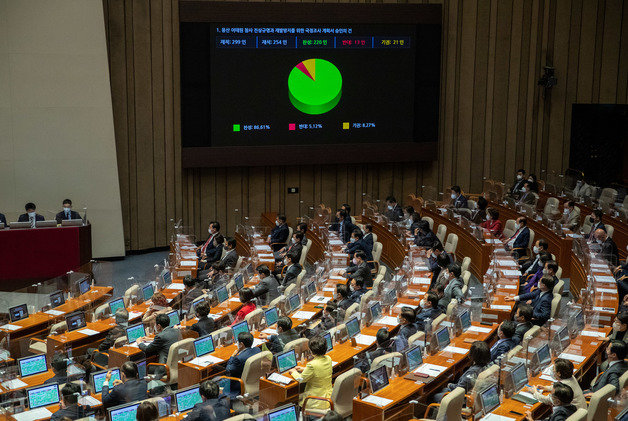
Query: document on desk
x=605, y=278
x=10, y=327
x=455, y=350
x=421, y=281
x=572, y=357
x=270, y=331
x=510, y=272
x=188, y=263
x=376, y=400
x=478, y=329
x=329, y=289
x=320, y=299
x=134, y=314
x=402, y=305
x=88, y=332
x=33, y=414
x=593, y=334
x=506, y=286
x=335, y=242
x=176, y=286
x=54, y=312
x=278, y=378
x=13, y=384
x=500, y=307
x=365, y=339
x=206, y=360
x=495, y=417
x=506, y=262
x=431, y=370
x=257, y=342
x=306, y=315
x=607, y=291
x=388, y=321
x=89, y=400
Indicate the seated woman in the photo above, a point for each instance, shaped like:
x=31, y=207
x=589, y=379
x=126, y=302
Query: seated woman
x=159, y=305
x=492, y=223
x=246, y=298
x=316, y=375
x=480, y=356
x=563, y=372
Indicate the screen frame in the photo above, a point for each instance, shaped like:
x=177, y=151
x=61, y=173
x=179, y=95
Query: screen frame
x=28, y=396
x=203, y=338
x=383, y=369
x=67, y=316
x=123, y=406
x=187, y=389
x=93, y=375
x=19, y=364
x=60, y=293
x=281, y=354
x=25, y=306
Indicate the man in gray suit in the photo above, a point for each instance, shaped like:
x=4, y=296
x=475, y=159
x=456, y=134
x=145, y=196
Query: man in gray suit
x=230, y=259
x=571, y=216
x=616, y=353
x=268, y=288
x=166, y=336
x=453, y=286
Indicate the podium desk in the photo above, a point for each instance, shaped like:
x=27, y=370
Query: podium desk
x=42, y=253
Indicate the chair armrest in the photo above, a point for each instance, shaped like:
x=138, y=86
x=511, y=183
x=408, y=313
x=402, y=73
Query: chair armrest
x=376, y=264
x=235, y=379
x=165, y=367
x=99, y=366
x=429, y=408
x=37, y=340
x=276, y=244
x=318, y=398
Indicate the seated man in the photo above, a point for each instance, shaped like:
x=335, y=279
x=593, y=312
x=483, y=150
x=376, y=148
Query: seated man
x=480, y=357
x=357, y=243
x=458, y=200
x=236, y=362
x=442, y=261
x=285, y=334
x=384, y=346
x=209, y=245
x=30, y=215
x=356, y=286
x=429, y=310
x=368, y=236
x=394, y=213
x=230, y=259
x=562, y=396
x=302, y=228
x=192, y=289
x=516, y=187
x=278, y=237
x=504, y=343
x=518, y=243
x=406, y=319
x=523, y=320
x=67, y=212
x=205, y=325
x=615, y=355
x=59, y=365
x=548, y=268
x=609, y=251
x=215, y=277
x=268, y=288
x=119, y=330
x=345, y=226
x=289, y=271
x=453, y=286
x=215, y=407
x=571, y=216
x=69, y=407
x=564, y=373
x=295, y=247
x=540, y=299
x=129, y=388
x=342, y=297
x=437, y=251
x=160, y=346
x=424, y=236
x=360, y=269
x=527, y=195
x=533, y=264
x=596, y=223
x=214, y=254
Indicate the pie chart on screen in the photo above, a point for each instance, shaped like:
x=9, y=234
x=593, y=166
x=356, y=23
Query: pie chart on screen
x=315, y=86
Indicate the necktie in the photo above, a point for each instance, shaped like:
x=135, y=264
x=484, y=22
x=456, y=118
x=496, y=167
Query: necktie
x=32, y=221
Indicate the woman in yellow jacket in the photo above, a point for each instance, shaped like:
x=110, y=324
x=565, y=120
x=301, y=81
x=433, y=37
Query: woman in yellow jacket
x=316, y=374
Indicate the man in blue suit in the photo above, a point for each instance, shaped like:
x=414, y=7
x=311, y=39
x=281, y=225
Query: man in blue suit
x=235, y=365
x=505, y=342
x=518, y=243
x=30, y=215
x=458, y=200
x=278, y=237
x=368, y=236
x=429, y=310
x=345, y=226
x=357, y=243
x=540, y=299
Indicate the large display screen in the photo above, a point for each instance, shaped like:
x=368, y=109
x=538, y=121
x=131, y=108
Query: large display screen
x=317, y=80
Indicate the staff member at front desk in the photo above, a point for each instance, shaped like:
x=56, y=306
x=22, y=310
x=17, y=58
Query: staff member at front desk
x=67, y=212
x=30, y=215
x=3, y=219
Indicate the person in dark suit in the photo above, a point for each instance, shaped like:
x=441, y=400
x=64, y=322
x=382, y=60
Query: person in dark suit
x=540, y=299
x=424, y=236
x=527, y=196
x=523, y=320
x=504, y=343
x=214, y=254
x=458, y=200
x=453, y=284
x=368, y=236
x=69, y=406
x=278, y=237
x=122, y=321
x=533, y=264
x=442, y=261
x=517, y=185
x=480, y=357
x=356, y=286
x=394, y=213
x=205, y=325
x=236, y=362
x=213, y=230
x=406, y=319
x=215, y=407
x=342, y=296
x=166, y=336
x=563, y=408
x=429, y=310
x=30, y=215
x=345, y=227
x=193, y=288
x=67, y=212
x=230, y=259
x=285, y=334
x=59, y=365
x=478, y=215
x=357, y=243
x=360, y=269
x=290, y=270
x=437, y=259
x=295, y=247
x=415, y=218
x=3, y=219
x=615, y=355
x=609, y=251
x=384, y=346
x=268, y=288
x=549, y=268
x=596, y=223
x=129, y=389
x=518, y=243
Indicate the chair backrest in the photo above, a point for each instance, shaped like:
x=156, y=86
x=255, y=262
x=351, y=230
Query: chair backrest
x=450, y=408
x=254, y=368
x=241, y=417
x=258, y=312
x=472, y=204
x=299, y=280
x=304, y=254
x=353, y=220
x=579, y=415
x=344, y=391
x=586, y=226
x=217, y=333
x=120, y=341
x=379, y=278
x=514, y=351
x=485, y=378
x=623, y=380
x=58, y=328
x=178, y=349
x=382, y=359
x=451, y=244
x=551, y=206
x=531, y=333
x=382, y=270
x=559, y=287
x=531, y=240
x=289, y=289
x=237, y=266
x=509, y=228
x=299, y=345
x=101, y=311
x=559, y=273
x=598, y=406
x=374, y=237
x=377, y=251
x=441, y=232
x=466, y=276
x=555, y=306
x=609, y=230
x=290, y=232
x=438, y=320
x=451, y=307
x=277, y=300
x=608, y=195
x=466, y=263
x=132, y=291
x=364, y=300
x=353, y=308
x=417, y=337
x=429, y=221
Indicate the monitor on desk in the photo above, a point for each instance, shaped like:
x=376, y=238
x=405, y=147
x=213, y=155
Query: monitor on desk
x=579, y=321
x=195, y=303
x=18, y=312
x=378, y=378
x=124, y=412
x=489, y=399
x=288, y=413
x=294, y=302
x=187, y=398
x=84, y=285
x=542, y=355
x=414, y=357
x=133, y=333
x=376, y=311
x=98, y=378
x=148, y=290
x=72, y=222
x=222, y=294
x=519, y=376
x=114, y=305
x=442, y=337
x=328, y=341
x=353, y=327
x=203, y=345
x=623, y=416
x=238, y=280
x=141, y=368
x=75, y=320
x=239, y=328
x=29, y=366
x=45, y=395
x=46, y=223
x=311, y=289
x=174, y=318
x=563, y=336
x=465, y=320
x=166, y=276
x=271, y=316
x=19, y=225
x=286, y=361
x=392, y=297
x=57, y=298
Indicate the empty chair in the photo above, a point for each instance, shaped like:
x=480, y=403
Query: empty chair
x=451, y=244
x=304, y=254
x=599, y=404
x=276, y=301
x=299, y=345
x=386, y=359
x=254, y=368
x=509, y=228
x=299, y=280
x=514, y=352
x=623, y=380
x=290, y=290
x=364, y=300
x=466, y=263
x=551, y=207
x=472, y=204
x=531, y=333
x=237, y=266
x=38, y=346
x=609, y=230
x=559, y=272
x=438, y=320
x=353, y=308
x=466, y=276
x=450, y=408
x=132, y=292
x=377, y=251
x=101, y=311
x=441, y=232
x=608, y=195
x=559, y=287
x=555, y=306
x=257, y=313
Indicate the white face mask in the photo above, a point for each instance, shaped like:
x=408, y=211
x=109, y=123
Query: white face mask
x=616, y=326
x=277, y=223
x=390, y=207
x=32, y=214
x=355, y=261
x=423, y=304
x=67, y=210
x=545, y=272
x=530, y=180
x=209, y=230
x=536, y=250
x=566, y=211
x=351, y=288
x=525, y=189
x=519, y=177
x=517, y=226
x=285, y=261
x=453, y=195
x=353, y=240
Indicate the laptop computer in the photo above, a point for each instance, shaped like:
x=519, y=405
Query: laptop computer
x=84, y=285
x=187, y=398
x=311, y=289
x=29, y=366
x=375, y=310
x=353, y=327
x=238, y=281
x=134, y=332
x=46, y=223
x=294, y=302
x=72, y=222
x=75, y=320
x=414, y=358
x=442, y=337
x=174, y=318
x=286, y=361
x=57, y=298
x=203, y=345
x=114, y=305
x=222, y=294
x=42, y=396
x=148, y=290
x=239, y=328
x=378, y=378
x=288, y=413
x=328, y=341
x=518, y=378
x=465, y=320
x=18, y=312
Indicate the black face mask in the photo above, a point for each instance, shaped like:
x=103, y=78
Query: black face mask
x=591, y=220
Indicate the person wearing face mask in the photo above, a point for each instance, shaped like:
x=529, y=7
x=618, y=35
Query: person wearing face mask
x=360, y=269
x=230, y=258
x=504, y=342
x=620, y=328
x=302, y=228
x=415, y=218
x=295, y=247
x=212, y=255
x=615, y=355
x=523, y=322
x=245, y=350
x=561, y=399
x=215, y=277
x=246, y=298
x=384, y=346
x=518, y=183
x=609, y=250
x=368, y=236
x=480, y=357
x=285, y=334
x=571, y=216
x=208, y=246
x=549, y=269
x=31, y=215
x=406, y=319
x=478, y=215
x=278, y=237
x=595, y=219
x=330, y=317
x=458, y=200
x=408, y=211
x=345, y=226
x=439, y=274
x=356, y=286
x=582, y=189
x=534, y=185
x=394, y=213
x=424, y=236
x=158, y=306
x=428, y=310
x=620, y=273
x=533, y=263
x=518, y=243
x=166, y=336
x=67, y=212
x=342, y=297
x=563, y=372
x=357, y=243
x=527, y=197
x=540, y=299
x=492, y=223
x=453, y=286
x=290, y=270
x=268, y=288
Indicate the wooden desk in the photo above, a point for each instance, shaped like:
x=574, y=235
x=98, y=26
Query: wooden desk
x=34, y=380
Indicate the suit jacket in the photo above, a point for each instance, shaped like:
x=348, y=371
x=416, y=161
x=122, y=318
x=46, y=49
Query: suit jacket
x=468, y=378
x=3, y=219
x=360, y=245
x=62, y=217
x=501, y=347
x=395, y=214
x=296, y=249
x=517, y=186
x=522, y=240
x=231, y=259
x=541, y=305
x=210, y=410
x=531, y=265
x=60, y=378
x=116, y=332
x=578, y=397
x=345, y=228
x=209, y=244
x=279, y=234
x=407, y=330
x=277, y=342
x=24, y=217
x=610, y=252
x=532, y=281
x=190, y=296
x=599, y=225
x=291, y=274
x=204, y=326
x=572, y=220
x=527, y=198
x=521, y=330
x=317, y=379
x=214, y=254
x=460, y=202
x=345, y=303
x=364, y=364
x=356, y=296
x=427, y=240
x=610, y=376
x=561, y=413
x=130, y=391
x=478, y=216
x=361, y=271
x=430, y=313
x=583, y=190
x=494, y=227
x=267, y=289
x=368, y=240
x=235, y=365
x=452, y=290
x=73, y=412
x=161, y=344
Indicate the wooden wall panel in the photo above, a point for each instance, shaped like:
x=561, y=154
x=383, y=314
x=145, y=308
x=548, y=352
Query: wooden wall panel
x=493, y=116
